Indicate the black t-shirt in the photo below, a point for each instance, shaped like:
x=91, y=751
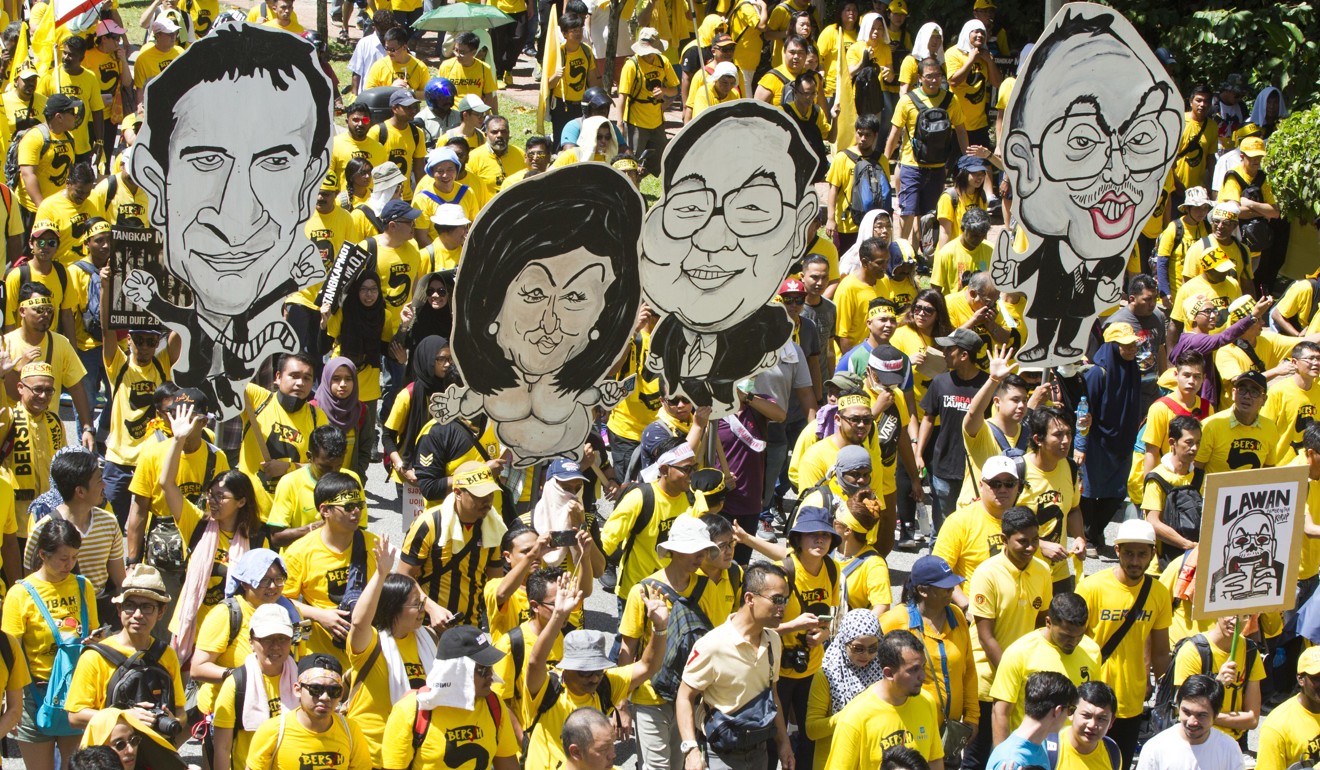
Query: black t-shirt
x=691, y=61
x=947, y=400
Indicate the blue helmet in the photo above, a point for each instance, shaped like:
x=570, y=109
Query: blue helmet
x=439, y=88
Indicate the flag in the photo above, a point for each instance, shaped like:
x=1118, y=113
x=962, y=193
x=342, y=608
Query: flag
x=550, y=63
x=843, y=96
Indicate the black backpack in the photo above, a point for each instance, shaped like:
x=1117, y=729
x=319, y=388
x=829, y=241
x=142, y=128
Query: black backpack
x=870, y=189
x=868, y=91
x=1182, y=505
x=932, y=137
x=138, y=679
x=1163, y=715
x=12, y=176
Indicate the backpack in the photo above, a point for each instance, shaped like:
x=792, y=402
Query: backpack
x=554, y=687
x=870, y=188
x=1052, y=748
x=687, y=624
x=868, y=89
x=644, y=515
x=422, y=722
x=91, y=315
x=61, y=273
x=1163, y=715
x=1256, y=234
x=12, y=176
x=827, y=498
x=1182, y=505
x=932, y=136
x=138, y=679
x=51, y=718
x=164, y=547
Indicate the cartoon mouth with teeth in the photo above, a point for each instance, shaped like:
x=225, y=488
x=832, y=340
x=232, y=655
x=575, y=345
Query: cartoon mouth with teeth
x=1113, y=215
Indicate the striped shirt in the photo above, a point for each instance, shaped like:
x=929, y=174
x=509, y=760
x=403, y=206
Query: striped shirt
x=101, y=541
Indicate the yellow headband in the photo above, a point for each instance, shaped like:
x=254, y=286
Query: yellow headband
x=36, y=301
x=99, y=228
x=855, y=400
x=625, y=164
x=346, y=497
x=877, y=312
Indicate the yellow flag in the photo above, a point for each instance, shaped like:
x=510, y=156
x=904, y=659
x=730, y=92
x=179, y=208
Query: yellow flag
x=843, y=96
x=549, y=66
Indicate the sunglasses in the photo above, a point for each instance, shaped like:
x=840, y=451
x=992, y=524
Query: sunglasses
x=123, y=743
x=999, y=484
x=869, y=649
x=317, y=690
x=483, y=671
x=922, y=309
x=778, y=601
x=437, y=291
x=793, y=300
x=46, y=243
x=350, y=507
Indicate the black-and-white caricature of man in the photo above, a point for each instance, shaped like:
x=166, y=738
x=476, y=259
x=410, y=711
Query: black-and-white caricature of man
x=1093, y=127
x=1250, y=567
x=234, y=146
x=737, y=210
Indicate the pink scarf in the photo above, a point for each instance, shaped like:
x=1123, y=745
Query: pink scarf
x=195, y=583
x=256, y=709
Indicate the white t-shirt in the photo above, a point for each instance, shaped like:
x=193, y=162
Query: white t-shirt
x=1170, y=751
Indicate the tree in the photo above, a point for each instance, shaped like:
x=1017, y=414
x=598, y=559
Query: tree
x=1292, y=158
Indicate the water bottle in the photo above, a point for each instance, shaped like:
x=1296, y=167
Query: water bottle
x=1083, y=409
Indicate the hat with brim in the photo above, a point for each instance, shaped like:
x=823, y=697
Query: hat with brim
x=474, y=477
x=845, y=381
x=649, y=42
x=270, y=620
x=450, y=215
x=1195, y=198
x=1135, y=531
x=385, y=176
x=687, y=535
x=584, y=650
x=143, y=580
x=813, y=519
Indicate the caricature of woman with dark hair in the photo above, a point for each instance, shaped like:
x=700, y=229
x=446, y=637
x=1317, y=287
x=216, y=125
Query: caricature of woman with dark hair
x=546, y=294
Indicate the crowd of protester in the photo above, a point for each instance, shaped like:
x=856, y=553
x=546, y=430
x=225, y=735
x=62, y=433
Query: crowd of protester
x=170, y=579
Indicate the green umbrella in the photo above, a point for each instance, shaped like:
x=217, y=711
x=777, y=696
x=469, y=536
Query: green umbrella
x=462, y=17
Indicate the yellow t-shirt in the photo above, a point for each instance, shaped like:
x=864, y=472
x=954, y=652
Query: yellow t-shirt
x=959, y=691
x=1228, y=445
x=1175, y=249
x=226, y=718
x=948, y=209
x=1070, y=759
x=91, y=678
x=1052, y=495
x=151, y=61
x=974, y=94
x=50, y=157
x=477, y=78
x=851, y=299
x=867, y=586
x=342, y=747
x=577, y=64
x=1232, y=251
x=27, y=467
x=701, y=99
x=62, y=297
x=1221, y=294
x=1270, y=347
x=22, y=619
x=905, y=117
x=980, y=448
x=546, y=749
x=869, y=726
x=318, y=576
x=640, y=75
x=125, y=206
x=1155, y=224
x=404, y=148
x=630, y=416
x=18, y=109
x=1109, y=601
x=911, y=341
x=384, y=72
x=85, y=86
x=68, y=219
x=832, y=45
x=840, y=177
x=1288, y=735
x=286, y=435
x=294, y=504
x=129, y=422
x=1183, y=624
x=453, y=735
x=513, y=613
x=954, y=260
x=328, y=233
x=1188, y=663
x=494, y=169
x=634, y=624
x=1292, y=409
x=213, y=636
x=345, y=148
x=1013, y=598
x=817, y=594
x=371, y=703
x=641, y=559
x=511, y=687
x=1296, y=303
x=1231, y=189
x=191, y=477
x=968, y=538
x=428, y=199
x=1196, y=151
x=744, y=23
x=1034, y=653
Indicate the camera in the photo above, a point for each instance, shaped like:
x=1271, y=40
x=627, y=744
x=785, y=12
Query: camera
x=795, y=659
x=165, y=723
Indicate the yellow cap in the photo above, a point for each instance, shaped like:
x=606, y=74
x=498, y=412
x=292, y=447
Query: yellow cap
x=331, y=182
x=37, y=369
x=1121, y=333
x=1309, y=662
x=898, y=6
x=984, y=5
x=1253, y=147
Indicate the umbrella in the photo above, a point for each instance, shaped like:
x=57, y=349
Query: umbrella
x=462, y=17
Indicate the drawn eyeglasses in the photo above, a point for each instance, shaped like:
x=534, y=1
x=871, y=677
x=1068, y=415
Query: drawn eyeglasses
x=1080, y=144
x=748, y=211
x=1246, y=541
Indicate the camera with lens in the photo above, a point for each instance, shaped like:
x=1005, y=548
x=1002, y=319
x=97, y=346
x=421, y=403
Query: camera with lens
x=141, y=681
x=796, y=658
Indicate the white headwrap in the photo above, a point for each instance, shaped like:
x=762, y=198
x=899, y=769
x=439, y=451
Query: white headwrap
x=965, y=37
x=852, y=259
x=868, y=21
x=921, y=46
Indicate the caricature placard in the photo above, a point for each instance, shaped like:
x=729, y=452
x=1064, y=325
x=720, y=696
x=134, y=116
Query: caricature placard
x=142, y=249
x=545, y=300
x=233, y=147
x=1092, y=129
x=1251, y=541
x=716, y=246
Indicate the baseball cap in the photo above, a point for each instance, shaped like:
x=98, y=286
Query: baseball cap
x=108, y=27
x=565, y=470
x=1121, y=333
x=961, y=338
x=192, y=396
x=1309, y=662
x=898, y=6
x=971, y=163
x=998, y=466
x=143, y=580
x=44, y=226
x=164, y=25
x=26, y=71
x=889, y=364
x=398, y=210
x=330, y=182
x=58, y=103
x=792, y=286
x=1254, y=377
x=1253, y=147
x=320, y=660
x=931, y=570
x=475, y=477
x=845, y=381
x=724, y=69
x=983, y=5
x=1135, y=531
x=469, y=642
x=270, y=620
x=686, y=535
x=403, y=97
x=472, y=102
x=722, y=40
x=1215, y=260
x=450, y=215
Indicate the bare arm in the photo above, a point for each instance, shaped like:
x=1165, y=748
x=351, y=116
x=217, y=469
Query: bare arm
x=985, y=630
x=135, y=530
x=359, y=636
x=1001, y=712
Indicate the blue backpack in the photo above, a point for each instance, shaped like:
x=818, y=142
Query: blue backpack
x=52, y=719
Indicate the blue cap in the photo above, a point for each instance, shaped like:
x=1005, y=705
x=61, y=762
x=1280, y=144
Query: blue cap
x=397, y=210
x=565, y=470
x=971, y=163
x=811, y=519
x=933, y=571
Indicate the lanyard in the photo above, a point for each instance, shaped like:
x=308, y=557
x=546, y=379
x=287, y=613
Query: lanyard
x=915, y=621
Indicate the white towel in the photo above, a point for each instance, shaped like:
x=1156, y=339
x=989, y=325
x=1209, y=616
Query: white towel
x=394, y=666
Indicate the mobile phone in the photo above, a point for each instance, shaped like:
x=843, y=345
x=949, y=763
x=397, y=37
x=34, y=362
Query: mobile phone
x=563, y=538
x=825, y=618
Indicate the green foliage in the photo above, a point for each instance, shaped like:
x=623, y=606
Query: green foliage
x=1292, y=158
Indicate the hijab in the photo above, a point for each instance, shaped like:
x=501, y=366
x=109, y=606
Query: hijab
x=1116, y=404
x=846, y=680
x=424, y=384
x=427, y=321
x=965, y=37
x=591, y=127
x=361, y=327
x=852, y=259
x=342, y=412
x=921, y=48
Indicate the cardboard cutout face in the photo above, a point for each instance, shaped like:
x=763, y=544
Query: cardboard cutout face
x=1087, y=157
x=233, y=147
x=715, y=248
x=546, y=298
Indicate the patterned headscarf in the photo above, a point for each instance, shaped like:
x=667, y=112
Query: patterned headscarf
x=846, y=680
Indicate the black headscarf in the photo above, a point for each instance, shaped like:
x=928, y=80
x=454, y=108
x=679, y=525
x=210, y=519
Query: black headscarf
x=362, y=327
x=424, y=383
x=428, y=321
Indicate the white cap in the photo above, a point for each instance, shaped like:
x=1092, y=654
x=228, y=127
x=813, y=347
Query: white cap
x=725, y=68
x=270, y=620
x=450, y=215
x=163, y=24
x=998, y=466
x=686, y=535
x=1135, y=531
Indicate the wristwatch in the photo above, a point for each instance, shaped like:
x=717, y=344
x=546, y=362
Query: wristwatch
x=686, y=746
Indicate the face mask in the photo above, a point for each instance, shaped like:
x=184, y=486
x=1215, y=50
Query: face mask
x=290, y=404
x=849, y=489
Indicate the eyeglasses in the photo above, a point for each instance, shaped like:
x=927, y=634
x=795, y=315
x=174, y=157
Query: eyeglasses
x=145, y=340
x=747, y=211
x=218, y=497
x=123, y=743
x=778, y=601
x=859, y=420
x=350, y=507
x=1308, y=359
x=317, y=690
x=686, y=470
x=483, y=671
x=1010, y=484
x=265, y=584
x=793, y=300
x=870, y=649
x=133, y=609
